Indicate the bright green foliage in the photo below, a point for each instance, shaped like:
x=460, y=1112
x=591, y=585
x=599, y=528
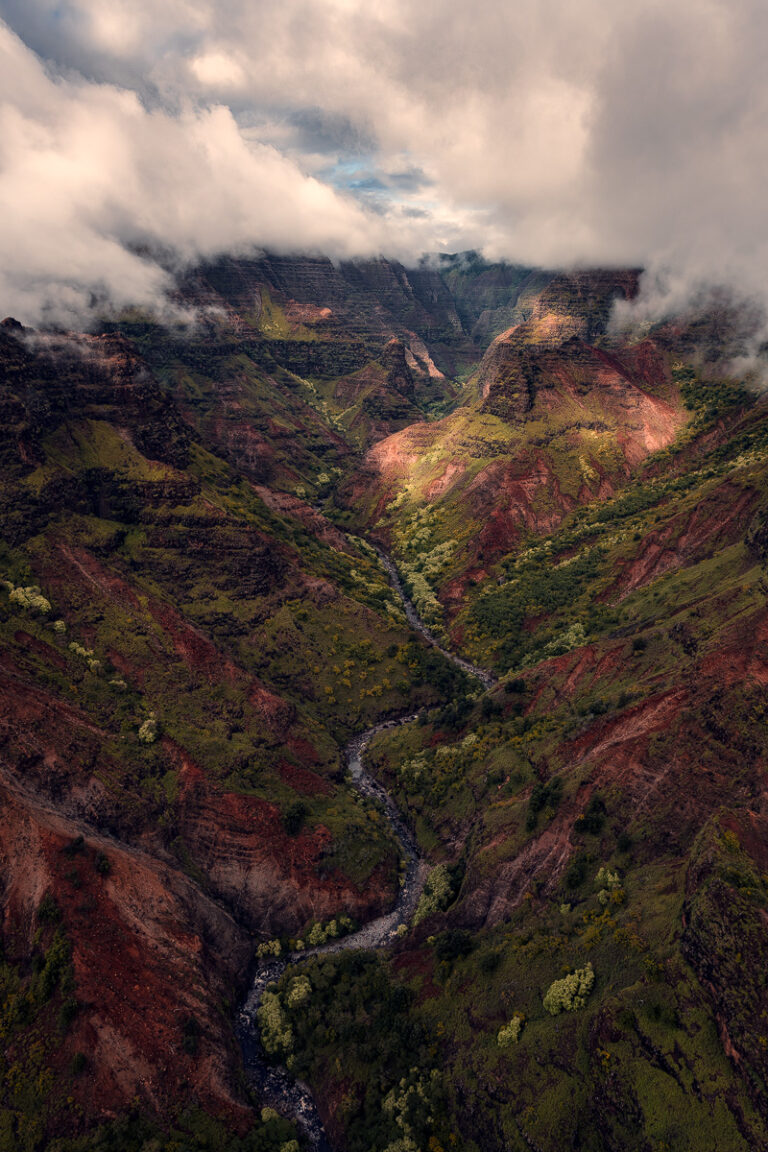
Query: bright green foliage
x=79, y=650
x=609, y=884
x=37, y=1005
x=276, y=1032
x=437, y=894
x=358, y=1025
x=322, y=933
x=573, y=637
x=319, y=933
x=605, y=878
x=510, y=1033
x=570, y=993
x=269, y=948
x=427, y=605
x=299, y=991
x=31, y=599
x=410, y=1105
x=149, y=730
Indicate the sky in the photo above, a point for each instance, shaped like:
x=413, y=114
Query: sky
x=135, y=135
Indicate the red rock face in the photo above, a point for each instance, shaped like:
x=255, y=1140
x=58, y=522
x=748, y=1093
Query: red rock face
x=151, y=948
x=164, y=933
x=720, y=520
x=670, y=783
x=583, y=418
x=150, y=951
x=271, y=879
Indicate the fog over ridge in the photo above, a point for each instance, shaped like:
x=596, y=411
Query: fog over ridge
x=548, y=133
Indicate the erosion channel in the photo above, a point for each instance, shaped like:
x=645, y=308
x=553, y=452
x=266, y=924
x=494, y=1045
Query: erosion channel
x=273, y=1083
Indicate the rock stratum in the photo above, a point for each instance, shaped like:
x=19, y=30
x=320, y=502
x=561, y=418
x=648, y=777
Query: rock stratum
x=193, y=624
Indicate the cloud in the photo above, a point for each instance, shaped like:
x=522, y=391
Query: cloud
x=90, y=179
x=544, y=131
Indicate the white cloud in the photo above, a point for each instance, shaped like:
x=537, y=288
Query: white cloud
x=217, y=70
x=544, y=131
x=88, y=176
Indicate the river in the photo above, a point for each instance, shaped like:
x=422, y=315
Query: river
x=273, y=1083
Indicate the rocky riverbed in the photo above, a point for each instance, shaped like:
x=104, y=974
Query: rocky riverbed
x=274, y=1084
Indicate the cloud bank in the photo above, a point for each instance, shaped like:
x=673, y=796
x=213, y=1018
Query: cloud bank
x=544, y=132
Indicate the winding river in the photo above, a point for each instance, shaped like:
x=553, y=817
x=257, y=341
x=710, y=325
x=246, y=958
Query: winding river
x=481, y=674
x=273, y=1083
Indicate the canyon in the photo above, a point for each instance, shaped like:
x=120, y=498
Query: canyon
x=207, y=535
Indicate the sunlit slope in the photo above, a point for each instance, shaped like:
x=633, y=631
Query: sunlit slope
x=603, y=809
x=550, y=422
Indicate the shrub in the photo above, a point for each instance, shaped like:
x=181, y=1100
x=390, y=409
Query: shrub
x=276, y=1032
x=269, y=948
x=299, y=992
x=74, y=847
x=543, y=796
x=437, y=894
x=490, y=708
x=516, y=685
x=607, y=879
x=78, y=649
x=67, y=1013
x=573, y=637
x=593, y=818
x=48, y=911
x=510, y=1033
x=576, y=873
x=570, y=993
x=150, y=730
x=56, y=971
x=31, y=599
x=190, y=1036
x=489, y=962
x=411, y=1105
x=453, y=945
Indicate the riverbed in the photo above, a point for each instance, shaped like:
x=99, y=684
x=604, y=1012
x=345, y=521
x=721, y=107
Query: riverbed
x=273, y=1083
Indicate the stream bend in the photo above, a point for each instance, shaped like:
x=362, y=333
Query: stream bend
x=273, y=1083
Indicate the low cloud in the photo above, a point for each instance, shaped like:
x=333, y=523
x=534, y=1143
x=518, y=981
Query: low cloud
x=92, y=182
x=548, y=133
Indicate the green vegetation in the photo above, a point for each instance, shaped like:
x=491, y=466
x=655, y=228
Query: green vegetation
x=191, y=1129
x=38, y=1006
x=613, y=919
x=345, y=1008
x=439, y=891
x=510, y=1033
x=189, y=635
x=570, y=993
